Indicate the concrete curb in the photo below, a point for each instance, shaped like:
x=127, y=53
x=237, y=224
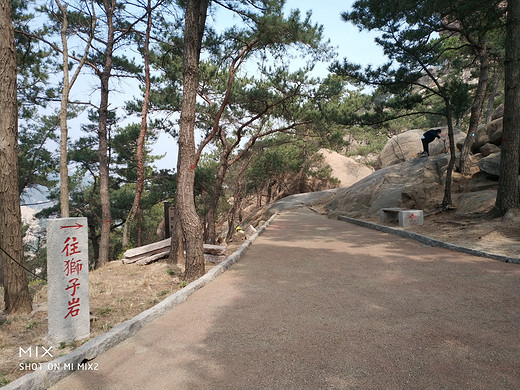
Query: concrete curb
x=53, y=371
x=428, y=241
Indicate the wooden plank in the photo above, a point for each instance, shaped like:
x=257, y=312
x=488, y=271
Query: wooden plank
x=145, y=249
x=148, y=253
x=151, y=259
x=144, y=255
x=130, y=261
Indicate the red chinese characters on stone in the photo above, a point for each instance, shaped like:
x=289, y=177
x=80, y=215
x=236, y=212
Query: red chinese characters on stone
x=72, y=266
x=74, y=304
x=73, y=285
x=71, y=246
x=73, y=308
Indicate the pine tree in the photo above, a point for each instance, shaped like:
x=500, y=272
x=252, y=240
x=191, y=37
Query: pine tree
x=16, y=290
x=189, y=225
x=508, y=199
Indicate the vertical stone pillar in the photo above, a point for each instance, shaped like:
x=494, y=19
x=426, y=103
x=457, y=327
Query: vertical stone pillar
x=67, y=276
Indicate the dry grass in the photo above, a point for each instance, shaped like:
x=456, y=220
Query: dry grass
x=118, y=292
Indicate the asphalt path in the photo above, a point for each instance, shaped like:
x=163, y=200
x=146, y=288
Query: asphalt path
x=323, y=304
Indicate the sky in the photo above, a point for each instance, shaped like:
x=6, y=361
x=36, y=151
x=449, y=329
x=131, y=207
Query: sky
x=349, y=42
x=358, y=47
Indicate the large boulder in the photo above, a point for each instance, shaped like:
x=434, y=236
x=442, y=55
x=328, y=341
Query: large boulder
x=345, y=169
x=415, y=183
x=489, y=149
x=494, y=129
x=481, y=138
x=480, y=181
x=490, y=164
x=476, y=202
x=490, y=133
x=407, y=145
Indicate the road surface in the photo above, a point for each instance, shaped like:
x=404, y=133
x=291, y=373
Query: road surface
x=323, y=304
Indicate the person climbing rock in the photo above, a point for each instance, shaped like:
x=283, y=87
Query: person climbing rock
x=429, y=137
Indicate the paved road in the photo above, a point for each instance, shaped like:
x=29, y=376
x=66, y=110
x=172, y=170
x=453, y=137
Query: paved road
x=323, y=304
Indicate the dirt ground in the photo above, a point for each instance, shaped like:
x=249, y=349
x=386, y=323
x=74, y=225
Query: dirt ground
x=119, y=292
x=493, y=236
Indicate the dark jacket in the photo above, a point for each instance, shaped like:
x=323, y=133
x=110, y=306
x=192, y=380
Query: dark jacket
x=430, y=135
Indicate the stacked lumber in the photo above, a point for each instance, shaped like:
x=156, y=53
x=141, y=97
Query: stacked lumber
x=149, y=253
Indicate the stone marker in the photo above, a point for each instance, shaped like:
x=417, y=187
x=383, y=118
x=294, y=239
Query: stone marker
x=404, y=217
x=410, y=218
x=67, y=276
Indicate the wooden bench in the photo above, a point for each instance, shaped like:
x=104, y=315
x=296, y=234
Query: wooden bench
x=405, y=217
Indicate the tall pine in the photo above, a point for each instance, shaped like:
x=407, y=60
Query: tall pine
x=16, y=290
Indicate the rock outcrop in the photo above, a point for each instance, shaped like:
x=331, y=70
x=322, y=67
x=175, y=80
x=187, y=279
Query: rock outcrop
x=490, y=164
x=345, y=169
x=407, y=145
x=488, y=149
x=408, y=181
x=487, y=134
x=476, y=202
x=417, y=183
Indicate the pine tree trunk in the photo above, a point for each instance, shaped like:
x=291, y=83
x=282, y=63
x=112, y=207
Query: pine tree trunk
x=508, y=192
x=213, y=203
x=476, y=112
x=94, y=239
x=142, y=134
x=447, y=201
x=491, y=98
x=238, y=196
x=16, y=290
x=177, y=243
x=139, y=226
x=67, y=86
x=190, y=223
x=237, y=203
x=64, y=169
x=104, y=240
